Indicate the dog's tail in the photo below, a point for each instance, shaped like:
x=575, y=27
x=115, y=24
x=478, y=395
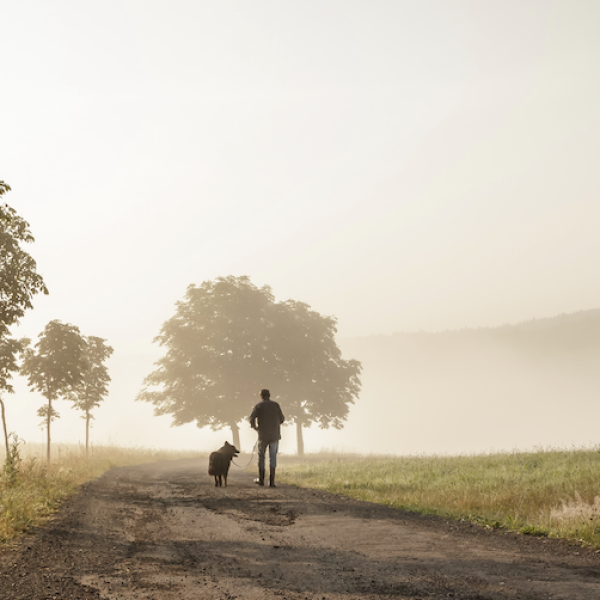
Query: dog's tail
x=211, y=466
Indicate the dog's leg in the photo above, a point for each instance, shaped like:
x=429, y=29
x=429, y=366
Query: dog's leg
x=216, y=481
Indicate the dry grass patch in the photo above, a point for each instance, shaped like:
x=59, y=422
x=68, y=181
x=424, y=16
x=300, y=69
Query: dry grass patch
x=33, y=491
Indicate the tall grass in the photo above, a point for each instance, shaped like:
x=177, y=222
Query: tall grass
x=33, y=491
x=551, y=493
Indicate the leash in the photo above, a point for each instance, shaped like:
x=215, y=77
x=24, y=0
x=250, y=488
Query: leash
x=251, y=457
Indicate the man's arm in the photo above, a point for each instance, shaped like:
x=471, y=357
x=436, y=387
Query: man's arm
x=252, y=418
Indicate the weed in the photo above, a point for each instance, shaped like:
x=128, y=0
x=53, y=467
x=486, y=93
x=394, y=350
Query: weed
x=12, y=461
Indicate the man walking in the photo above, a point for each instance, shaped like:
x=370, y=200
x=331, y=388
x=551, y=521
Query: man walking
x=266, y=418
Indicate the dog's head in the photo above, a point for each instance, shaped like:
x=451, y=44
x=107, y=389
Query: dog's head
x=230, y=450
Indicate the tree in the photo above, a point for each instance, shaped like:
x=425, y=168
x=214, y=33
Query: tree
x=19, y=282
x=94, y=385
x=9, y=349
x=216, y=357
x=313, y=381
x=229, y=339
x=56, y=367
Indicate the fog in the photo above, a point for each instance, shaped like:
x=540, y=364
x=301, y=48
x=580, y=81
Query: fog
x=406, y=167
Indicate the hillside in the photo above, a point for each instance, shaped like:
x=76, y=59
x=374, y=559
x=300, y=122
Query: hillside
x=566, y=339
x=533, y=383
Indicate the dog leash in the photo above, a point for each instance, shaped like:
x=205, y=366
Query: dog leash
x=251, y=457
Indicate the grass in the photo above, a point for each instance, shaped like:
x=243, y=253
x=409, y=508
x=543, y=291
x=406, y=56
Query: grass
x=33, y=492
x=549, y=493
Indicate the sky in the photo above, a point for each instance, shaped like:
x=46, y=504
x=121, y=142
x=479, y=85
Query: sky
x=399, y=165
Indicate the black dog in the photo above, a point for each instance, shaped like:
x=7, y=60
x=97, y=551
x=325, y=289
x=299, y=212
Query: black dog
x=219, y=461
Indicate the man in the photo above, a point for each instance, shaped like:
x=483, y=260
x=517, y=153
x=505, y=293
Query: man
x=269, y=417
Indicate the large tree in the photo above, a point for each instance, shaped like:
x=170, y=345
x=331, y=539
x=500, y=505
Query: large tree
x=55, y=367
x=19, y=282
x=229, y=339
x=216, y=355
x=94, y=385
x=313, y=381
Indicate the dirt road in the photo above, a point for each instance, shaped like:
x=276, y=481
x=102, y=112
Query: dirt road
x=163, y=531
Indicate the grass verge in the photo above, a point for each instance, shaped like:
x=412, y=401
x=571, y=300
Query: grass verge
x=33, y=491
x=549, y=493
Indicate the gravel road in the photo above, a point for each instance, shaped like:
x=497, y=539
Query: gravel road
x=163, y=531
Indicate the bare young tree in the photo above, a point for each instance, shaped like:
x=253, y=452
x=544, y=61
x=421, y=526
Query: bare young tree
x=94, y=385
x=55, y=367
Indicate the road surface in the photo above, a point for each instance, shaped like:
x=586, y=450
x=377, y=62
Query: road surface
x=163, y=531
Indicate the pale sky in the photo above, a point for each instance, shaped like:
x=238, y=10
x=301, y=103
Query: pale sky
x=400, y=165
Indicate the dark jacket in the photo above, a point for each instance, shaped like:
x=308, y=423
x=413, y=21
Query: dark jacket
x=269, y=416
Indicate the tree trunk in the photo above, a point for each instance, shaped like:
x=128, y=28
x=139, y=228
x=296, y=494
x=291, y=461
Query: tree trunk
x=87, y=432
x=299, y=438
x=48, y=419
x=235, y=430
x=4, y=427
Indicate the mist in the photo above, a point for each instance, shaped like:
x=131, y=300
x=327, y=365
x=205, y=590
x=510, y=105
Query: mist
x=424, y=172
x=528, y=386
x=520, y=387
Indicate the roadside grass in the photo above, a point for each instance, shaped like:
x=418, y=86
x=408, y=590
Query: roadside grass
x=553, y=493
x=33, y=491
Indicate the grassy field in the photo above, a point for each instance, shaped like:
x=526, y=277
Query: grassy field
x=34, y=491
x=550, y=493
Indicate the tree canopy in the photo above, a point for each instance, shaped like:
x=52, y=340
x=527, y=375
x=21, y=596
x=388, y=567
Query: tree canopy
x=228, y=339
x=216, y=347
x=312, y=380
x=19, y=280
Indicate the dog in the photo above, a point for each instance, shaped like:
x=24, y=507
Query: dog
x=219, y=461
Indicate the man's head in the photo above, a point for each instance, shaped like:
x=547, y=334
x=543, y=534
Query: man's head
x=265, y=394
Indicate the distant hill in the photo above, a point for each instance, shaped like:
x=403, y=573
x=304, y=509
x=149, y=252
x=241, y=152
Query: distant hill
x=524, y=384
x=564, y=337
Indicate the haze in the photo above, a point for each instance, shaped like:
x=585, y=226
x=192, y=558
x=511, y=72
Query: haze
x=403, y=166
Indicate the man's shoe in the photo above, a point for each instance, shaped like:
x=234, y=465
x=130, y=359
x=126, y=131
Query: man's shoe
x=261, y=477
x=272, y=477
